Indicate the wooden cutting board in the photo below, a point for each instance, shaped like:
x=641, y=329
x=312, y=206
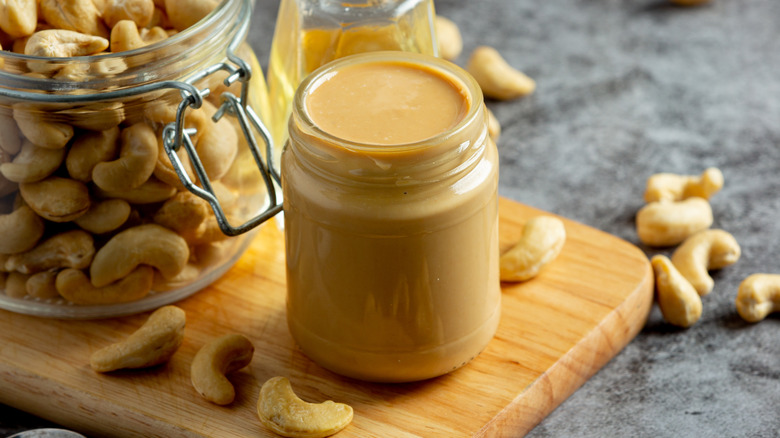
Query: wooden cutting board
x=556, y=331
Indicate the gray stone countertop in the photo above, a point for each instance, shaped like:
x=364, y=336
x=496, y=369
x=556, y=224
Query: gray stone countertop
x=626, y=89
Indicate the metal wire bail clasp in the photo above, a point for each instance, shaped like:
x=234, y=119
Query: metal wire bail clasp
x=175, y=136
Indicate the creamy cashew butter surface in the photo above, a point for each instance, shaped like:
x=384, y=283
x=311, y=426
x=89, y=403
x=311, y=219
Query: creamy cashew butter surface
x=391, y=218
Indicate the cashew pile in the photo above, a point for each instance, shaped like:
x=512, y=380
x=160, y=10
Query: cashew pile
x=678, y=212
x=90, y=206
x=542, y=240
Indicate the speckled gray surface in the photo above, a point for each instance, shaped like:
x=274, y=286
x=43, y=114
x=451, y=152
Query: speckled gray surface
x=627, y=89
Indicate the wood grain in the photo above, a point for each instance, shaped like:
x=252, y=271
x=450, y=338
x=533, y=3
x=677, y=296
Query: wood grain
x=556, y=331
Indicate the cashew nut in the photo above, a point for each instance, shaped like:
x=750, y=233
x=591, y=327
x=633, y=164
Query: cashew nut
x=89, y=149
x=669, y=223
x=10, y=136
x=103, y=217
x=74, y=286
x=71, y=249
x=74, y=15
x=32, y=164
x=18, y=18
x=125, y=36
x=449, y=38
x=16, y=284
x=758, y=296
x=137, y=158
x=56, y=199
x=59, y=43
x=185, y=213
x=138, y=11
x=494, y=126
x=541, y=242
x=284, y=413
x=496, y=77
x=703, y=251
x=217, y=146
x=190, y=273
x=152, y=344
x=214, y=360
x=41, y=132
x=41, y=285
x=673, y=187
x=148, y=244
x=677, y=299
x=154, y=34
x=98, y=116
x=164, y=171
x=150, y=192
x=20, y=229
x=185, y=13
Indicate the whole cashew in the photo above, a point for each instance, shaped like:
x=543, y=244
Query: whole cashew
x=669, y=223
x=10, y=136
x=56, y=199
x=32, y=164
x=71, y=249
x=98, y=116
x=758, y=296
x=125, y=36
x=154, y=34
x=189, y=274
x=18, y=18
x=6, y=187
x=41, y=285
x=137, y=158
x=74, y=286
x=704, y=251
x=541, y=242
x=74, y=15
x=214, y=360
x=217, y=146
x=16, y=284
x=163, y=169
x=106, y=216
x=185, y=13
x=21, y=230
x=89, y=149
x=150, y=192
x=496, y=77
x=59, y=43
x=152, y=344
x=185, y=213
x=673, y=187
x=280, y=410
x=138, y=11
x=448, y=37
x=41, y=132
x=494, y=126
x=677, y=299
x=148, y=244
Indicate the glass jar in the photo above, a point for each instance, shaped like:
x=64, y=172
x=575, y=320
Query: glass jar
x=114, y=162
x=311, y=33
x=392, y=249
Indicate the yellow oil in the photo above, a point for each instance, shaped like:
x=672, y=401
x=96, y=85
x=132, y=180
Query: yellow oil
x=308, y=35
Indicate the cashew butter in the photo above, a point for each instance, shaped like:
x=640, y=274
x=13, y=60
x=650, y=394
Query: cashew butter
x=391, y=218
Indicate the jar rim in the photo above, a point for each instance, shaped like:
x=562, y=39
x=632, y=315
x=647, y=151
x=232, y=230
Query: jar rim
x=453, y=72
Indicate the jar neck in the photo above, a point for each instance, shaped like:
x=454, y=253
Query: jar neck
x=178, y=56
x=446, y=155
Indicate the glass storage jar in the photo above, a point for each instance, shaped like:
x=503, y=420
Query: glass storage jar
x=89, y=197
x=392, y=245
